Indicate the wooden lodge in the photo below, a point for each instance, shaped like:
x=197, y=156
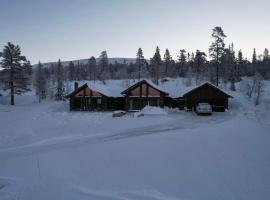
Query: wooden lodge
x=206, y=93
x=144, y=93
x=84, y=98
x=137, y=96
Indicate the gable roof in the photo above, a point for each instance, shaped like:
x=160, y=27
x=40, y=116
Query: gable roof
x=210, y=85
x=150, y=83
x=100, y=88
x=77, y=90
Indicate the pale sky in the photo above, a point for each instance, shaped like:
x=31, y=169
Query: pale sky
x=72, y=29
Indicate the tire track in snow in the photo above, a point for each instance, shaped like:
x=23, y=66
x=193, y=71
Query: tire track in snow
x=66, y=141
x=79, y=139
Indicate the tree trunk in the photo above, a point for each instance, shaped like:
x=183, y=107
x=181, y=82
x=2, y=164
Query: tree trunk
x=217, y=66
x=12, y=93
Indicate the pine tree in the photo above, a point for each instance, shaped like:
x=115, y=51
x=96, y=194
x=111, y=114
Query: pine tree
x=254, y=62
x=16, y=73
x=71, y=71
x=59, y=81
x=156, y=63
x=266, y=56
x=103, y=63
x=167, y=61
x=199, y=60
x=229, y=68
x=216, y=49
x=92, y=64
x=240, y=62
x=40, y=82
x=182, y=62
x=265, y=64
x=234, y=71
x=140, y=61
x=254, y=56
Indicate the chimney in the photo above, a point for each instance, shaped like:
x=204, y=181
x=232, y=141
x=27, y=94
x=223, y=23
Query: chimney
x=76, y=85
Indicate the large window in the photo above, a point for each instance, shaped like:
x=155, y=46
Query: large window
x=137, y=104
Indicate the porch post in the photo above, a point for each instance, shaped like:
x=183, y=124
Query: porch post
x=141, y=96
x=84, y=100
x=147, y=94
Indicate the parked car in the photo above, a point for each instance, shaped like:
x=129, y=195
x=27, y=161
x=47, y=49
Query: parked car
x=203, y=108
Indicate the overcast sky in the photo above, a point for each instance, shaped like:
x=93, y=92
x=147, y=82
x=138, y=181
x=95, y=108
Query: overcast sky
x=71, y=29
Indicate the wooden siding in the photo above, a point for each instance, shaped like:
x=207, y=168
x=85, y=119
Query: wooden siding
x=144, y=90
x=144, y=94
x=88, y=93
x=207, y=94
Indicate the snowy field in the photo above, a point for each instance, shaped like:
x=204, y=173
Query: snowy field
x=47, y=152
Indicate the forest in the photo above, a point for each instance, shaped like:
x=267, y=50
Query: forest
x=221, y=64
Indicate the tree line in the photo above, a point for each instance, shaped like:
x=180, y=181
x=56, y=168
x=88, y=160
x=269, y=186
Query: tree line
x=222, y=64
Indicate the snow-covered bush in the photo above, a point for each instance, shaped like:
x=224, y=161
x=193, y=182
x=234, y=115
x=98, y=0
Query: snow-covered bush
x=253, y=87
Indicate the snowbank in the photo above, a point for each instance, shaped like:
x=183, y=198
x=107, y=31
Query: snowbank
x=47, y=152
x=152, y=110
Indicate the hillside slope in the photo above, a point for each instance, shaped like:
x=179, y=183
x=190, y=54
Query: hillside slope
x=47, y=152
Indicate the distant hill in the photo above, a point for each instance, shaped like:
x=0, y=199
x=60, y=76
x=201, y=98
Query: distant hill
x=84, y=61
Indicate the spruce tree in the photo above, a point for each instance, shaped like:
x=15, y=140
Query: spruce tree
x=59, y=81
x=103, y=64
x=71, y=71
x=240, y=62
x=92, y=68
x=254, y=56
x=266, y=56
x=167, y=61
x=265, y=64
x=17, y=70
x=156, y=63
x=182, y=62
x=199, y=60
x=140, y=61
x=40, y=82
x=254, y=62
x=216, y=49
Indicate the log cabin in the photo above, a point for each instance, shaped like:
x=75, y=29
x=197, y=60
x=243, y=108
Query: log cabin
x=84, y=98
x=100, y=97
x=144, y=93
x=206, y=93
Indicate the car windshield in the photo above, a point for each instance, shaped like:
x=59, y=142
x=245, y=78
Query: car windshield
x=204, y=105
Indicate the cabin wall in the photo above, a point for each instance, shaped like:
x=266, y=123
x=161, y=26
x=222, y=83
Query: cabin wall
x=217, y=99
x=88, y=93
x=143, y=95
x=144, y=90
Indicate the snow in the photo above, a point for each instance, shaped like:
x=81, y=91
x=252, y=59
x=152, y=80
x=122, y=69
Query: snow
x=113, y=88
x=47, y=152
x=206, y=82
x=152, y=110
x=108, y=88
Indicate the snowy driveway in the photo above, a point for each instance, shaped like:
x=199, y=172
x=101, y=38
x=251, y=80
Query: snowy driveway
x=179, y=156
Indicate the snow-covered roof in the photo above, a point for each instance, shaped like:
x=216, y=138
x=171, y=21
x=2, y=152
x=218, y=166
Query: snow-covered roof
x=115, y=88
x=107, y=89
x=206, y=83
x=153, y=85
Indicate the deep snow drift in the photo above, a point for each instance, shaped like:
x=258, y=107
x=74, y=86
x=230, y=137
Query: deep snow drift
x=47, y=152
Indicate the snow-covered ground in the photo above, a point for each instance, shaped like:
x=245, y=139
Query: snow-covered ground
x=47, y=152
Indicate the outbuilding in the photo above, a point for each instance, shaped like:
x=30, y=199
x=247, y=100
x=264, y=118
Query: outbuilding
x=207, y=93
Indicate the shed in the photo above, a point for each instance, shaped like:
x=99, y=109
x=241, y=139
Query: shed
x=207, y=93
